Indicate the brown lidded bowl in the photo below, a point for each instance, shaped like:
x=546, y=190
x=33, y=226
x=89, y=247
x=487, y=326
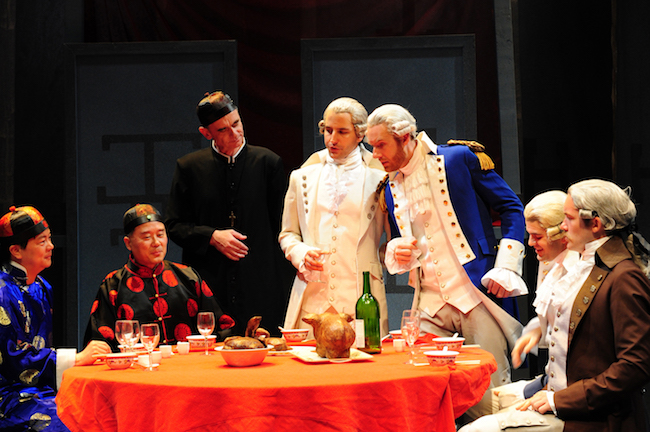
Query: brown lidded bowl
x=243, y=357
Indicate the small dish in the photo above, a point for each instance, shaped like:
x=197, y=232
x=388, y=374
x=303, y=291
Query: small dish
x=243, y=357
x=120, y=360
x=198, y=342
x=441, y=357
x=451, y=343
x=295, y=335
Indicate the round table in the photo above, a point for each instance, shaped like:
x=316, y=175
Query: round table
x=201, y=393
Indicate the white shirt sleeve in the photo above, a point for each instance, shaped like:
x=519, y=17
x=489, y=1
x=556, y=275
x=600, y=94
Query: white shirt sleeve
x=65, y=359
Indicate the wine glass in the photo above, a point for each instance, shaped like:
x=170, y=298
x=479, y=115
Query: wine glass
x=205, y=324
x=150, y=335
x=325, y=250
x=127, y=333
x=410, y=330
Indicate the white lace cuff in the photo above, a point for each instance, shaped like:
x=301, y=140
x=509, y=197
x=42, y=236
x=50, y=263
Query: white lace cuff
x=392, y=265
x=511, y=281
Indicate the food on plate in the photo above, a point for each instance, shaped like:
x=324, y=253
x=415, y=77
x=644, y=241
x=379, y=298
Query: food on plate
x=255, y=337
x=333, y=333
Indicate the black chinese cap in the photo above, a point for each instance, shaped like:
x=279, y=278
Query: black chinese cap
x=214, y=106
x=140, y=214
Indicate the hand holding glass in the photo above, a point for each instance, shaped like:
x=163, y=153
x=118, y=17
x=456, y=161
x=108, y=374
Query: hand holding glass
x=127, y=333
x=149, y=336
x=325, y=250
x=410, y=329
x=205, y=324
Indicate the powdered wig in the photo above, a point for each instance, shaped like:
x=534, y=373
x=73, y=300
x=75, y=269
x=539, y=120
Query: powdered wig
x=397, y=119
x=613, y=206
x=606, y=200
x=351, y=106
x=547, y=209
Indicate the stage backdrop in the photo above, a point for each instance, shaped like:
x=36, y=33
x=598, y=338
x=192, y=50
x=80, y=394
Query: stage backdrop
x=131, y=114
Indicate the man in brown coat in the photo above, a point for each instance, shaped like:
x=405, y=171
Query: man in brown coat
x=598, y=328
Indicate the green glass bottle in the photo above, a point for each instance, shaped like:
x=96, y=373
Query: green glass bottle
x=367, y=320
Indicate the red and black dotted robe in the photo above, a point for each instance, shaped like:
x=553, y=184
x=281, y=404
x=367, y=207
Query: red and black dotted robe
x=170, y=295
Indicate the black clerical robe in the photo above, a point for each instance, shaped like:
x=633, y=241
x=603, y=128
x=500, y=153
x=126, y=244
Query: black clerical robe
x=208, y=192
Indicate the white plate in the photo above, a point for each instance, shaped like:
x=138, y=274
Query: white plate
x=308, y=354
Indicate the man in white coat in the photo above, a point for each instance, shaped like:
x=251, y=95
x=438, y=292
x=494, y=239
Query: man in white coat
x=333, y=200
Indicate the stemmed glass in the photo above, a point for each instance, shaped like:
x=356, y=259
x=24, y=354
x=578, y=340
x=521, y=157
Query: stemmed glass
x=205, y=324
x=325, y=250
x=410, y=330
x=127, y=333
x=150, y=335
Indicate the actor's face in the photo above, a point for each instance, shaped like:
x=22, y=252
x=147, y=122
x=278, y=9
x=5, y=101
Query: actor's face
x=227, y=133
x=339, y=135
x=578, y=231
x=390, y=151
x=545, y=249
x=148, y=243
x=37, y=255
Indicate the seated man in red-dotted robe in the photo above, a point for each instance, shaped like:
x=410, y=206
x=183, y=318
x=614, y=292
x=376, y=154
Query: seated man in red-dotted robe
x=150, y=289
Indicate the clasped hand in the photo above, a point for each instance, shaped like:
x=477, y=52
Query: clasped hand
x=230, y=243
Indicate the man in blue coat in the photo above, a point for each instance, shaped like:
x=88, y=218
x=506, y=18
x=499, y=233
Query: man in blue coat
x=439, y=199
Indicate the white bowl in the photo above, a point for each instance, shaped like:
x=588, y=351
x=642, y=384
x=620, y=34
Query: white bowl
x=120, y=360
x=452, y=343
x=396, y=334
x=198, y=341
x=295, y=335
x=244, y=357
x=441, y=357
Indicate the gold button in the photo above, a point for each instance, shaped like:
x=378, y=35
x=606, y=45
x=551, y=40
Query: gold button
x=304, y=185
x=572, y=325
x=430, y=249
x=304, y=177
x=439, y=160
x=462, y=245
x=453, y=224
x=458, y=235
x=579, y=312
x=445, y=202
x=396, y=205
x=439, y=274
x=435, y=261
x=441, y=180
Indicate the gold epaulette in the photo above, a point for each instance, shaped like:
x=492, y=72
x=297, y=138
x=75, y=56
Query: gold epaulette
x=381, y=191
x=479, y=150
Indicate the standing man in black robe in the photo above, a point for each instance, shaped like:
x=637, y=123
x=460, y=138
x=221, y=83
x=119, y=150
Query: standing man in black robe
x=225, y=208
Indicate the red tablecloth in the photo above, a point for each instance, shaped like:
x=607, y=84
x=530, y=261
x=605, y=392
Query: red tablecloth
x=200, y=393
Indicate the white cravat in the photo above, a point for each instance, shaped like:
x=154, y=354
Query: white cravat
x=555, y=290
x=416, y=186
x=339, y=175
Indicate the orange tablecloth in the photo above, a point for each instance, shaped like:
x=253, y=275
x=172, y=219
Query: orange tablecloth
x=200, y=393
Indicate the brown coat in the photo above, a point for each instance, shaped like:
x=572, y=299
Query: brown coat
x=609, y=348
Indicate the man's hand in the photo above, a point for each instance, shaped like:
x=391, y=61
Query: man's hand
x=497, y=290
x=524, y=344
x=94, y=347
x=403, y=252
x=538, y=402
x=229, y=242
x=311, y=261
